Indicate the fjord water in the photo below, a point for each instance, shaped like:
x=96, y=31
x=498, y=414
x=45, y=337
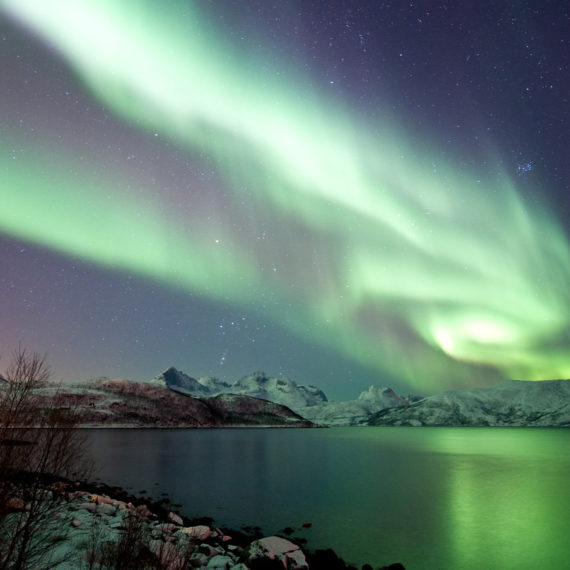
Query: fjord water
x=445, y=498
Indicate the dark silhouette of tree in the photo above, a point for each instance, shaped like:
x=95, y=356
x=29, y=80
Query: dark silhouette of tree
x=40, y=446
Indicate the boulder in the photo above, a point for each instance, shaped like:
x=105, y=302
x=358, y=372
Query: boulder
x=176, y=519
x=160, y=530
x=296, y=559
x=278, y=549
x=143, y=511
x=106, y=509
x=197, y=533
x=198, y=560
x=220, y=562
x=102, y=500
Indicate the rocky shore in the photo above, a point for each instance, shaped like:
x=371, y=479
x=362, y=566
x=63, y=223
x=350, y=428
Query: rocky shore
x=97, y=527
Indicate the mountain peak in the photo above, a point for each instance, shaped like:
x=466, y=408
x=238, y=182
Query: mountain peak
x=382, y=395
x=281, y=389
x=177, y=380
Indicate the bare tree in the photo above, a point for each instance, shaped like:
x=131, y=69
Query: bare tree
x=39, y=444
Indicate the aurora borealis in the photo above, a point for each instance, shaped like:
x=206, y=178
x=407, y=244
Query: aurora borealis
x=226, y=189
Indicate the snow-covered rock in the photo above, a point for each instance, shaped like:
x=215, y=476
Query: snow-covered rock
x=509, y=403
x=85, y=539
x=277, y=548
x=197, y=532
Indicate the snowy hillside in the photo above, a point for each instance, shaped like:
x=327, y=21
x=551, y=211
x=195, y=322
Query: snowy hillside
x=103, y=402
x=510, y=403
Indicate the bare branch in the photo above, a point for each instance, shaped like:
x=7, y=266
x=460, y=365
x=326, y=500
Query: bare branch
x=39, y=441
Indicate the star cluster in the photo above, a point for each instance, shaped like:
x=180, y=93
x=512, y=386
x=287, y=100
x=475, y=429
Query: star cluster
x=348, y=195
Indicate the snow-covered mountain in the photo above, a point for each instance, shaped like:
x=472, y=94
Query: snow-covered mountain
x=308, y=401
x=103, y=402
x=509, y=403
x=279, y=390
x=353, y=412
x=180, y=382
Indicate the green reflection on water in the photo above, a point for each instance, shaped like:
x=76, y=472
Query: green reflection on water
x=492, y=497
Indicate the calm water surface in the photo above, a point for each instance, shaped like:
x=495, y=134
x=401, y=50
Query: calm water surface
x=437, y=498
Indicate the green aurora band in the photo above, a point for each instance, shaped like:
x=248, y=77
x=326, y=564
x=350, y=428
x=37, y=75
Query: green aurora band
x=440, y=278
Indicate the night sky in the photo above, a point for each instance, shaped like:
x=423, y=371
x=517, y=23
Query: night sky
x=345, y=193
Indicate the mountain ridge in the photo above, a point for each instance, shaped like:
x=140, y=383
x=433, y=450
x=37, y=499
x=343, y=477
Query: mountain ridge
x=541, y=403
x=174, y=399
x=308, y=401
x=104, y=402
x=508, y=403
